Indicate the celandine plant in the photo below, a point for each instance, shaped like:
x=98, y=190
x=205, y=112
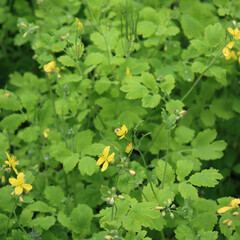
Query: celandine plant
x=120, y=133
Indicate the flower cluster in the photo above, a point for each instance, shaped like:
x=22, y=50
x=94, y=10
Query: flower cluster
x=169, y=207
x=227, y=51
x=19, y=182
x=51, y=68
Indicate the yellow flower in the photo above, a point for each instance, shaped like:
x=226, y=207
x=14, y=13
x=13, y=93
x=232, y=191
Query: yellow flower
x=19, y=184
x=45, y=132
x=121, y=132
x=51, y=67
x=235, y=33
x=226, y=50
x=234, y=204
x=79, y=24
x=129, y=148
x=232, y=54
x=12, y=163
x=128, y=72
x=105, y=159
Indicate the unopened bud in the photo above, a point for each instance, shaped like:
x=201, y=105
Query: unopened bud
x=62, y=38
x=234, y=23
x=163, y=214
x=177, y=117
x=229, y=224
x=114, y=231
x=23, y=25
x=8, y=169
x=25, y=34
x=59, y=76
x=226, y=221
x=107, y=237
x=117, y=129
x=113, y=189
x=121, y=197
x=109, y=192
x=13, y=193
x=21, y=200
x=35, y=56
x=159, y=208
x=67, y=35
x=107, y=199
x=111, y=201
x=173, y=206
x=183, y=112
x=235, y=214
x=3, y=180
x=171, y=215
x=132, y=172
x=6, y=95
x=169, y=201
x=175, y=111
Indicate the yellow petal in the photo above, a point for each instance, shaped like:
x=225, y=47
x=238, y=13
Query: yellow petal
x=18, y=190
x=129, y=148
x=106, y=151
x=9, y=158
x=234, y=203
x=100, y=161
x=7, y=162
x=226, y=51
x=124, y=128
x=230, y=44
x=105, y=166
x=231, y=31
x=13, y=182
x=15, y=170
x=111, y=157
x=119, y=132
x=20, y=178
x=223, y=209
x=122, y=137
x=28, y=187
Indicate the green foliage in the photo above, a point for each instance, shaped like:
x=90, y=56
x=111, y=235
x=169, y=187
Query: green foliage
x=76, y=74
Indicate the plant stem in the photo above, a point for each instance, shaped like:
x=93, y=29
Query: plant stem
x=10, y=215
x=166, y=161
x=162, y=235
x=200, y=77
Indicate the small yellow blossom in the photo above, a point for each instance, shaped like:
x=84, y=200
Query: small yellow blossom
x=51, y=67
x=235, y=33
x=234, y=204
x=21, y=200
x=226, y=50
x=232, y=55
x=121, y=132
x=129, y=148
x=79, y=24
x=19, y=184
x=12, y=163
x=105, y=159
x=45, y=132
x=3, y=180
x=128, y=72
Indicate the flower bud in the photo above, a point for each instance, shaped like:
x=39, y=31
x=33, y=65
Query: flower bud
x=234, y=23
x=226, y=221
x=111, y=201
x=163, y=214
x=121, y=197
x=132, y=172
x=173, y=206
x=229, y=224
x=159, y=208
x=235, y=214
x=6, y=95
x=3, y=180
x=113, y=189
x=169, y=201
x=107, y=199
x=171, y=215
x=8, y=169
x=107, y=237
x=21, y=200
x=109, y=192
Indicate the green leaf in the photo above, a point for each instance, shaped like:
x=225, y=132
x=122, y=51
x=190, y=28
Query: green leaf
x=134, y=90
x=205, y=149
x=64, y=220
x=174, y=105
x=82, y=140
x=54, y=194
x=70, y=162
x=9, y=102
x=143, y=215
x=191, y=27
x=87, y=165
x=94, y=59
x=169, y=175
x=26, y=217
x=207, y=220
x=206, y=178
x=6, y=201
x=188, y=191
x=145, y=28
x=208, y=117
x=29, y=100
x=219, y=73
x=43, y=222
x=184, y=134
x=4, y=143
x=80, y=219
x=149, y=81
x=167, y=84
x=200, y=46
x=102, y=85
x=94, y=149
x=151, y=101
x=184, y=168
x=40, y=206
x=67, y=61
x=198, y=67
x=12, y=122
x=3, y=225
x=209, y=235
x=29, y=134
x=184, y=232
x=214, y=34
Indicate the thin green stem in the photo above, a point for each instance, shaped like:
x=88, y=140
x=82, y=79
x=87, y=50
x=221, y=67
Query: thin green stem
x=201, y=75
x=10, y=215
x=162, y=235
x=19, y=222
x=112, y=213
x=166, y=162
